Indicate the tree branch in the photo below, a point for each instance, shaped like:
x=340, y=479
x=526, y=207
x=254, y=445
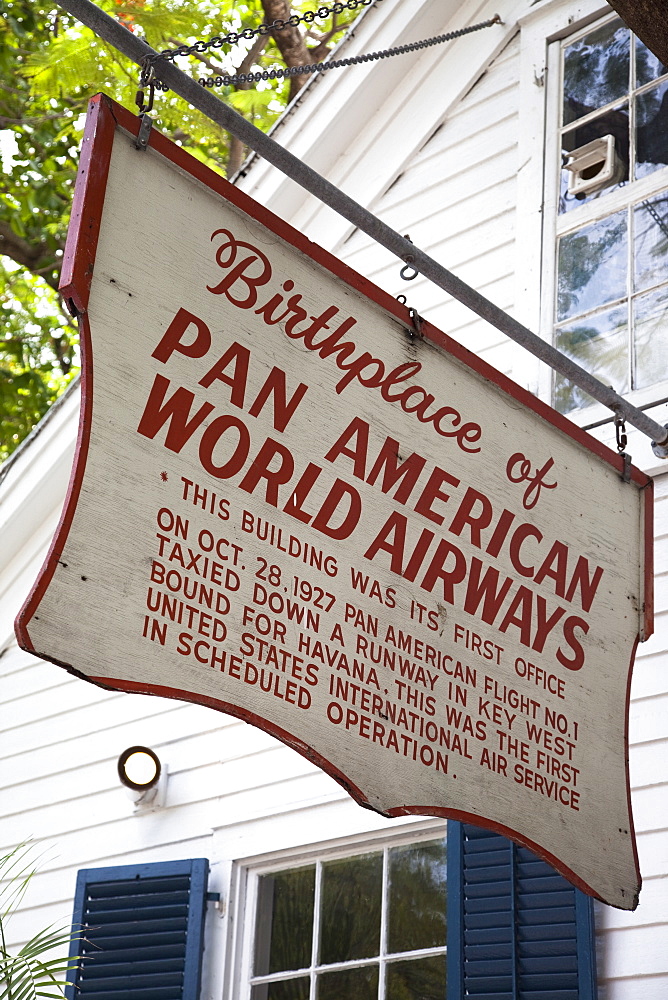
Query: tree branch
x=237, y=148
x=289, y=41
x=34, y=257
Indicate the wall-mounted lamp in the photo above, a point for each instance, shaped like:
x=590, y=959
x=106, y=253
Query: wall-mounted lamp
x=143, y=774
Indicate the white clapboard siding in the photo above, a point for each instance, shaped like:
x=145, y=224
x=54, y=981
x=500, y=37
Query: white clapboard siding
x=647, y=811
x=167, y=725
x=456, y=198
x=661, y=591
x=21, y=572
x=649, y=765
x=649, y=674
x=648, y=719
x=652, y=847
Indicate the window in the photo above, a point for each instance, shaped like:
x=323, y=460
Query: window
x=611, y=297
x=369, y=926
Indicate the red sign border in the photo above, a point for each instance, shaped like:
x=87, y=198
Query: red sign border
x=103, y=118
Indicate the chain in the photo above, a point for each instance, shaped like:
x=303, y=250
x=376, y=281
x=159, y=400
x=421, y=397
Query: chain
x=622, y=441
x=620, y=434
x=280, y=72
x=217, y=42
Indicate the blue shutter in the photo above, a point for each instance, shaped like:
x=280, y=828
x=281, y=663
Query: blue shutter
x=141, y=931
x=517, y=930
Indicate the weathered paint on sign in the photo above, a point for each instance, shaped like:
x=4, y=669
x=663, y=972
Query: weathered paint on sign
x=372, y=545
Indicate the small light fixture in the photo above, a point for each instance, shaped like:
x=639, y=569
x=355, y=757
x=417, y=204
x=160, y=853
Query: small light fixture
x=140, y=770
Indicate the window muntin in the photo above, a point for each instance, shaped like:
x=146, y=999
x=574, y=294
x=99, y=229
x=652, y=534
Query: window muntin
x=613, y=85
x=369, y=925
x=612, y=244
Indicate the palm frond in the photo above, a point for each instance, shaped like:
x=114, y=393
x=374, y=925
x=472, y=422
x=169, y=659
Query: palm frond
x=30, y=974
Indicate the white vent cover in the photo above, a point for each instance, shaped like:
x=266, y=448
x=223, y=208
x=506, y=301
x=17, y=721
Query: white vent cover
x=594, y=166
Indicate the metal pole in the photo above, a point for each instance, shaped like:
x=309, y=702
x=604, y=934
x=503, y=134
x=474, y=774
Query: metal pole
x=126, y=42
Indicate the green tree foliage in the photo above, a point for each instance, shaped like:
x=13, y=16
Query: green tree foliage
x=50, y=66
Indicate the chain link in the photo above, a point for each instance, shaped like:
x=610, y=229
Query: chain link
x=233, y=37
x=280, y=73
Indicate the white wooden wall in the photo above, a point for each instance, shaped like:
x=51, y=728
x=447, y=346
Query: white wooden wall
x=233, y=792
x=456, y=199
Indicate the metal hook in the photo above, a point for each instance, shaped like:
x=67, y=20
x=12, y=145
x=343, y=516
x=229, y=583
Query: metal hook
x=620, y=433
x=622, y=441
x=146, y=79
x=402, y=273
x=409, y=258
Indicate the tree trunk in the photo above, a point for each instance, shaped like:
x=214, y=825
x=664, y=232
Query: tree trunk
x=289, y=40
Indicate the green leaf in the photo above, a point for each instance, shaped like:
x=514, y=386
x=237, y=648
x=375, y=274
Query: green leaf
x=52, y=77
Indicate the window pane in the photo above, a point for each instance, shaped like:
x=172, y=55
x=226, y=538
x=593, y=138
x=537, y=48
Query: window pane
x=599, y=344
x=284, y=922
x=614, y=122
x=651, y=242
x=350, y=915
x=422, y=979
x=417, y=896
x=651, y=338
x=286, y=989
x=349, y=984
x=596, y=70
x=652, y=130
x=648, y=66
x=592, y=266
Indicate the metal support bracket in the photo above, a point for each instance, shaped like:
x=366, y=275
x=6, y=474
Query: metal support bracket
x=144, y=134
x=661, y=449
x=416, y=320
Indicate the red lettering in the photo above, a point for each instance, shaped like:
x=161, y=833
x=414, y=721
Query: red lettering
x=212, y=435
x=226, y=254
x=338, y=492
x=275, y=477
x=171, y=340
x=276, y=388
x=175, y=410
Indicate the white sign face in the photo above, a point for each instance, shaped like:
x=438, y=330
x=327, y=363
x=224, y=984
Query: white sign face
x=372, y=545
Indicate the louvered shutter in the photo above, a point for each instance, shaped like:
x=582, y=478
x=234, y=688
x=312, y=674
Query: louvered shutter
x=142, y=931
x=517, y=930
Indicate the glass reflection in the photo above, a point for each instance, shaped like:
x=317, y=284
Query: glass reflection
x=351, y=897
x=422, y=979
x=592, y=266
x=648, y=66
x=652, y=130
x=283, y=930
x=286, y=989
x=417, y=878
x=596, y=70
x=650, y=241
x=349, y=984
x=599, y=344
x=651, y=337
x=614, y=122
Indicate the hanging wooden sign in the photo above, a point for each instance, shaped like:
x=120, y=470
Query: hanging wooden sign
x=288, y=505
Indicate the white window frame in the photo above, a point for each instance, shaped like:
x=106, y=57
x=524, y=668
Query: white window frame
x=538, y=224
x=245, y=892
